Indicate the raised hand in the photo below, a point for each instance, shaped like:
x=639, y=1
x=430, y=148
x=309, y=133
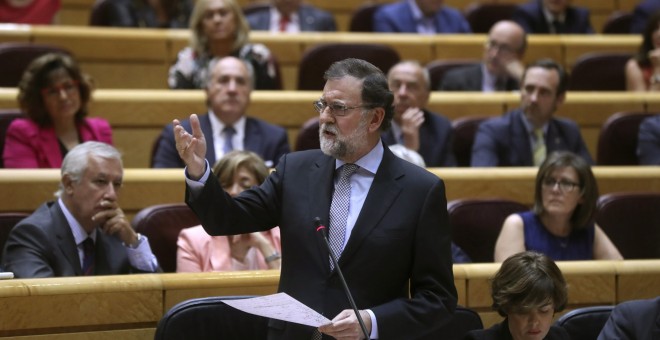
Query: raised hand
x=191, y=147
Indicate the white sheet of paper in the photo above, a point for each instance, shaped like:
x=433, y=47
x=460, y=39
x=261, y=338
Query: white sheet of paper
x=280, y=306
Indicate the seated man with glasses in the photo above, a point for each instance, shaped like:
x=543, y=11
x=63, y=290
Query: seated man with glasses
x=501, y=67
x=561, y=223
x=524, y=136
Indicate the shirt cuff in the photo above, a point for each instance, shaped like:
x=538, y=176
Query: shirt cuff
x=374, y=325
x=141, y=256
x=197, y=185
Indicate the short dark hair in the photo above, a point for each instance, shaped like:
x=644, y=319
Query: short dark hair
x=375, y=89
x=550, y=64
x=35, y=78
x=528, y=280
x=585, y=211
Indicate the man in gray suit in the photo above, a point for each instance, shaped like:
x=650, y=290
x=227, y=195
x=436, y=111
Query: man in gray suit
x=83, y=232
x=501, y=67
x=523, y=137
x=291, y=16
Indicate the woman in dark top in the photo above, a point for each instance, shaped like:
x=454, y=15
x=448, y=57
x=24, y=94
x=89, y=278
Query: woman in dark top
x=561, y=223
x=527, y=291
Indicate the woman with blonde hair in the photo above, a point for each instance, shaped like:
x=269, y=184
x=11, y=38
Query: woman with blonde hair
x=199, y=252
x=219, y=29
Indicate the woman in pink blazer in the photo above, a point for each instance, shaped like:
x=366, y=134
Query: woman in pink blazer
x=53, y=94
x=199, y=252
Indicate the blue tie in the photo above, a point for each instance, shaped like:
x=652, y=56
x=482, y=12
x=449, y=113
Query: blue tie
x=88, y=257
x=229, y=132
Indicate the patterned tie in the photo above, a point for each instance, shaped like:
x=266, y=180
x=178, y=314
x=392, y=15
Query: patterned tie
x=341, y=200
x=88, y=257
x=229, y=132
x=539, y=147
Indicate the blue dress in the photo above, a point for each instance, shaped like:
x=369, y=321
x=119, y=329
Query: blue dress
x=579, y=245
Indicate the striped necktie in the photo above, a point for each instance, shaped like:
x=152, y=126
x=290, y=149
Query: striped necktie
x=539, y=147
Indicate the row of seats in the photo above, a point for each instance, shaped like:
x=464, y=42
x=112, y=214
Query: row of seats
x=598, y=71
x=211, y=318
x=617, y=143
x=630, y=220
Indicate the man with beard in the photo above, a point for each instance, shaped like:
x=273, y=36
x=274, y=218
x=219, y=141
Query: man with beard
x=523, y=137
x=226, y=126
x=386, y=228
x=501, y=67
x=425, y=132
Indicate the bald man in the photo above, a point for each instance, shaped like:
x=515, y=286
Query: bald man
x=501, y=67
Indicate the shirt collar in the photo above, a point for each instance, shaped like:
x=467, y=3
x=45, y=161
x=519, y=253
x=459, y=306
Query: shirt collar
x=79, y=234
x=549, y=17
x=217, y=125
x=528, y=125
x=370, y=162
x=275, y=16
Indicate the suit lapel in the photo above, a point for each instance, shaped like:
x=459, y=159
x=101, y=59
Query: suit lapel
x=64, y=236
x=382, y=194
x=520, y=140
x=50, y=147
x=322, y=171
x=253, y=138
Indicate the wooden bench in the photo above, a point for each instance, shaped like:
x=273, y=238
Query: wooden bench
x=129, y=306
x=140, y=58
x=138, y=116
x=27, y=189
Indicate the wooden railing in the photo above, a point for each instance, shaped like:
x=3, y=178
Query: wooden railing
x=129, y=306
x=140, y=58
x=25, y=190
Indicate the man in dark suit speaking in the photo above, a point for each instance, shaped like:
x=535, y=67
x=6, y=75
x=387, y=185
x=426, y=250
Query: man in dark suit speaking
x=226, y=126
x=83, y=232
x=387, y=218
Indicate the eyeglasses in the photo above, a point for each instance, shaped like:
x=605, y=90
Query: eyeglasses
x=492, y=45
x=55, y=90
x=564, y=186
x=335, y=109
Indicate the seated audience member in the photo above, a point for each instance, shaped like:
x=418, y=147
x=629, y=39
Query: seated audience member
x=636, y=319
x=428, y=133
x=53, y=94
x=501, y=68
x=83, y=232
x=457, y=254
x=225, y=126
x=561, y=223
x=197, y=251
x=219, y=29
x=641, y=14
x=648, y=141
x=33, y=12
x=146, y=13
x=419, y=16
x=291, y=16
x=527, y=291
x=552, y=17
x=524, y=136
x=643, y=69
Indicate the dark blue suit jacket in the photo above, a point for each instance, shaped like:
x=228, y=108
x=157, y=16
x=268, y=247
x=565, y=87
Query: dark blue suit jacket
x=435, y=140
x=636, y=319
x=42, y=245
x=311, y=19
x=504, y=141
x=530, y=17
x=641, y=15
x=469, y=78
x=267, y=140
x=648, y=141
x=399, y=246
x=398, y=18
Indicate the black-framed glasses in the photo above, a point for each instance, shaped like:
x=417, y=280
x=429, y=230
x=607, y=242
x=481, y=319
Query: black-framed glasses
x=564, y=185
x=336, y=109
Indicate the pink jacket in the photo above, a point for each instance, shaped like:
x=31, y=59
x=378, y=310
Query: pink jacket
x=198, y=251
x=29, y=146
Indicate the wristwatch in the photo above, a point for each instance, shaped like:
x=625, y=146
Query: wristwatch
x=655, y=78
x=273, y=257
x=137, y=243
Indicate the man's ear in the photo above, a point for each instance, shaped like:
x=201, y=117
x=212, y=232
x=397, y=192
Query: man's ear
x=377, y=119
x=67, y=183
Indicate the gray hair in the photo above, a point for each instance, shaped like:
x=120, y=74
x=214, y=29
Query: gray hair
x=76, y=160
